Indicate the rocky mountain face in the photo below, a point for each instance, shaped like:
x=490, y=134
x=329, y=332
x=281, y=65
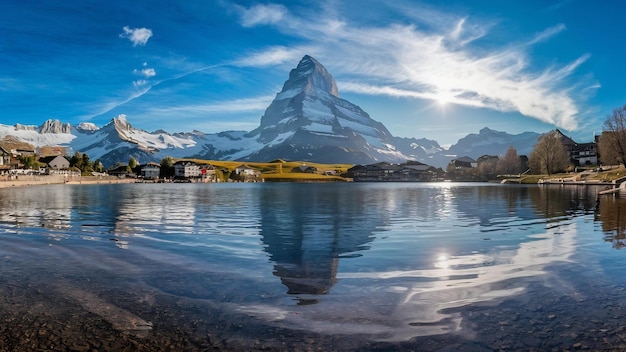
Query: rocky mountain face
x=55, y=126
x=307, y=121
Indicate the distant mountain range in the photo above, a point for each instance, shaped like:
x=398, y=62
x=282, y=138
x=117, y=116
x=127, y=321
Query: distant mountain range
x=307, y=121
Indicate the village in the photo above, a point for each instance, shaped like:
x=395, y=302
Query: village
x=21, y=161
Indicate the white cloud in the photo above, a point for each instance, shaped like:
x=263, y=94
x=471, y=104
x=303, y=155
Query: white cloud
x=138, y=36
x=146, y=72
x=140, y=83
x=445, y=60
x=261, y=14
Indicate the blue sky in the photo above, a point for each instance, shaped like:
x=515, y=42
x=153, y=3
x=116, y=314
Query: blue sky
x=425, y=69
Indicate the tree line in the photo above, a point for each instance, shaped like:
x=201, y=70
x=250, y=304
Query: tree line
x=549, y=155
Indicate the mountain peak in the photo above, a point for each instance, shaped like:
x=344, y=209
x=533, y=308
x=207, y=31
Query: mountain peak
x=310, y=76
x=121, y=124
x=55, y=126
x=487, y=130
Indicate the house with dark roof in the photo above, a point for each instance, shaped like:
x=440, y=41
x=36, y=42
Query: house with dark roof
x=411, y=171
x=580, y=153
x=464, y=163
x=5, y=159
x=57, y=162
x=150, y=170
x=121, y=171
x=186, y=169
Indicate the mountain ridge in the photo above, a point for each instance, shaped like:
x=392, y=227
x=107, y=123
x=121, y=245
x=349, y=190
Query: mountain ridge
x=307, y=121
x=82, y=139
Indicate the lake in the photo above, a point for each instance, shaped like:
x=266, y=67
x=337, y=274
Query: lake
x=300, y=267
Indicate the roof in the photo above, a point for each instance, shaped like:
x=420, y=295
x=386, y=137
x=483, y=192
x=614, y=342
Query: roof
x=49, y=159
x=152, y=163
x=564, y=139
x=422, y=167
x=466, y=159
x=185, y=162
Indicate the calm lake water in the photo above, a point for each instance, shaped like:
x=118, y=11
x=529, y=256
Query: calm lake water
x=299, y=267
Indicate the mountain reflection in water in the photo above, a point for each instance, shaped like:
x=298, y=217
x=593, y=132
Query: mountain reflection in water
x=385, y=263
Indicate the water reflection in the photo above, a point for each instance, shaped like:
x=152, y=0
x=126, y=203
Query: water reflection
x=50, y=209
x=306, y=229
x=612, y=217
x=391, y=261
x=440, y=231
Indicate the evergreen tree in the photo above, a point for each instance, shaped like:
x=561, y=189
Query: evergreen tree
x=167, y=167
x=132, y=163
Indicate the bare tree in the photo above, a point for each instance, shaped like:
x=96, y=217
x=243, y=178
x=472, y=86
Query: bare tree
x=487, y=166
x=509, y=164
x=612, y=142
x=549, y=154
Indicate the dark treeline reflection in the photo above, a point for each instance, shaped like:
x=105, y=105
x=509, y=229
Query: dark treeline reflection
x=612, y=216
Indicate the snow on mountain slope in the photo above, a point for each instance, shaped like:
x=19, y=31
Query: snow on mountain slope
x=32, y=135
x=308, y=121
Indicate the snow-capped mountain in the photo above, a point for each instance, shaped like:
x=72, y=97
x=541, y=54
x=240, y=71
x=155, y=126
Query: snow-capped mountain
x=307, y=121
x=119, y=140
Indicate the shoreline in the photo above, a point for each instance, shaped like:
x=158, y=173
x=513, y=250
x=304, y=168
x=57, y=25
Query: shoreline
x=22, y=181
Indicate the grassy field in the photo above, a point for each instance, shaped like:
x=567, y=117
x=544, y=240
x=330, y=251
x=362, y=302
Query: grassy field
x=281, y=170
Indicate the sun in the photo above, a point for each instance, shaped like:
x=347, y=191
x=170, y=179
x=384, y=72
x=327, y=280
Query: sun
x=444, y=98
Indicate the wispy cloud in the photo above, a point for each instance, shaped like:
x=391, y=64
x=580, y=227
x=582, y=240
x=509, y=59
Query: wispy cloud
x=138, y=36
x=271, y=56
x=256, y=104
x=261, y=14
x=548, y=33
x=406, y=60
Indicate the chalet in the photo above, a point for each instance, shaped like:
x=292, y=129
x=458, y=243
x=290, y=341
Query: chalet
x=150, y=170
x=121, y=171
x=55, y=162
x=5, y=159
x=415, y=172
x=374, y=172
x=208, y=173
x=16, y=147
x=580, y=153
x=584, y=154
x=464, y=163
x=246, y=170
x=186, y=169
